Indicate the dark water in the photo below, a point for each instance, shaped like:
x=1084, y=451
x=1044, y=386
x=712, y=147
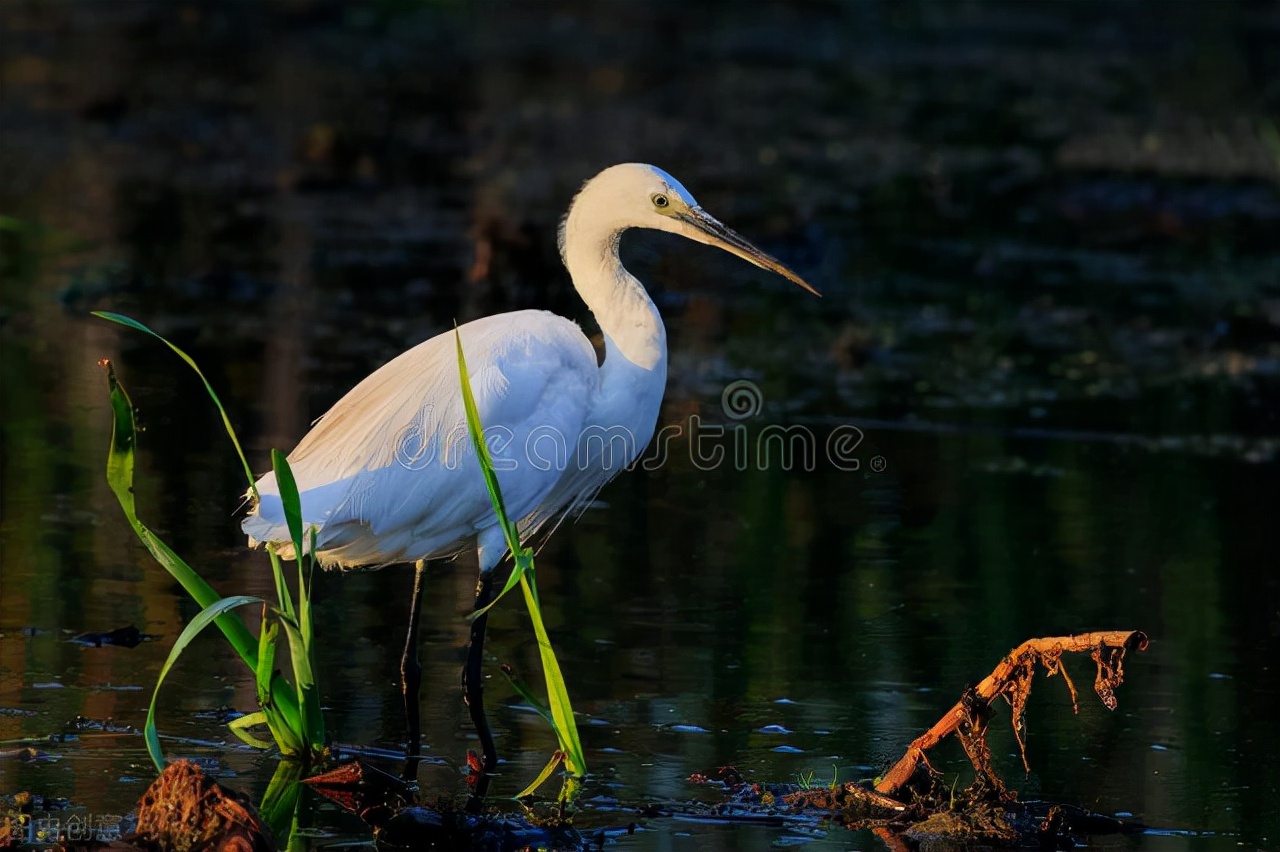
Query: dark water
x=1046, y=239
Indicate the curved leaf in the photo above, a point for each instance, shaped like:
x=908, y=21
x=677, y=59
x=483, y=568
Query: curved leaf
x=202, y=620
x=240, y=727
x=226, y=421
x=557, y=757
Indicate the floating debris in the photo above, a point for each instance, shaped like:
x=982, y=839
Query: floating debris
x=128, y=636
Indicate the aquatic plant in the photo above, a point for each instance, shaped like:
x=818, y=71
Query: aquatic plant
x=291, y=712
x=557, y=711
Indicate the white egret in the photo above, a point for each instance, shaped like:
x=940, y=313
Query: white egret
x=387, y=476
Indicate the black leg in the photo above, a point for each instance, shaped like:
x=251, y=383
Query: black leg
x=473, y=681
x=411, y=669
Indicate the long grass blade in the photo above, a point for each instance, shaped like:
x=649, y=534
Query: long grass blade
x=475, y=429
x=226, y=421
x=202, y=620
x=523, y=573
x=566, y=727
x=292, y=504
x=289, y=498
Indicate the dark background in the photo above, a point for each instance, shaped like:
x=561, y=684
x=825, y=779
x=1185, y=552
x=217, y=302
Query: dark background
x=1046, y=238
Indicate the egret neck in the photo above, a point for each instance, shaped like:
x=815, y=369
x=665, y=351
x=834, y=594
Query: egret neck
x=632, y=327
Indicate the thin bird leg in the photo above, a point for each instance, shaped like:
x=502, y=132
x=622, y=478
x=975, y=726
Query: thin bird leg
x=410, y=668
x=472, y=678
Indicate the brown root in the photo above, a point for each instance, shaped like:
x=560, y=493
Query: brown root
x=1011, y=679
x=911, y=808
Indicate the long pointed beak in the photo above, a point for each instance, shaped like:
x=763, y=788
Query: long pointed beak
x=708, y=229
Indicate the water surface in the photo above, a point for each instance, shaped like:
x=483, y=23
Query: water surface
x=1045, y=237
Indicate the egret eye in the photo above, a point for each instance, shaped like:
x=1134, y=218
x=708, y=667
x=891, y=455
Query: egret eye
x=660, y=201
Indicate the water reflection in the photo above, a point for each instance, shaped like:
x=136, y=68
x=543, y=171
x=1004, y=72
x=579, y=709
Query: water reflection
x=1067, y=363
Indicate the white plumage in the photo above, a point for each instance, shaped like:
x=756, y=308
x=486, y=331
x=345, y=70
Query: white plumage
x=389, y=475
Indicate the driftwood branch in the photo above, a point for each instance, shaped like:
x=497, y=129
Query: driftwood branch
x=1011, y=679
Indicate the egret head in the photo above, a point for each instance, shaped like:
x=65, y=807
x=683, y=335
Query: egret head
x=637, y=195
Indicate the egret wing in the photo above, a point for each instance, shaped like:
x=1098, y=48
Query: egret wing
x=389, y=473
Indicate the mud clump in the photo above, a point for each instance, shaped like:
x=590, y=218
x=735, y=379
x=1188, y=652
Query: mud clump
x=185, y=810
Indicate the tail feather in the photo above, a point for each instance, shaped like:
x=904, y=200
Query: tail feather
x=266, y=525
x=337, y=545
